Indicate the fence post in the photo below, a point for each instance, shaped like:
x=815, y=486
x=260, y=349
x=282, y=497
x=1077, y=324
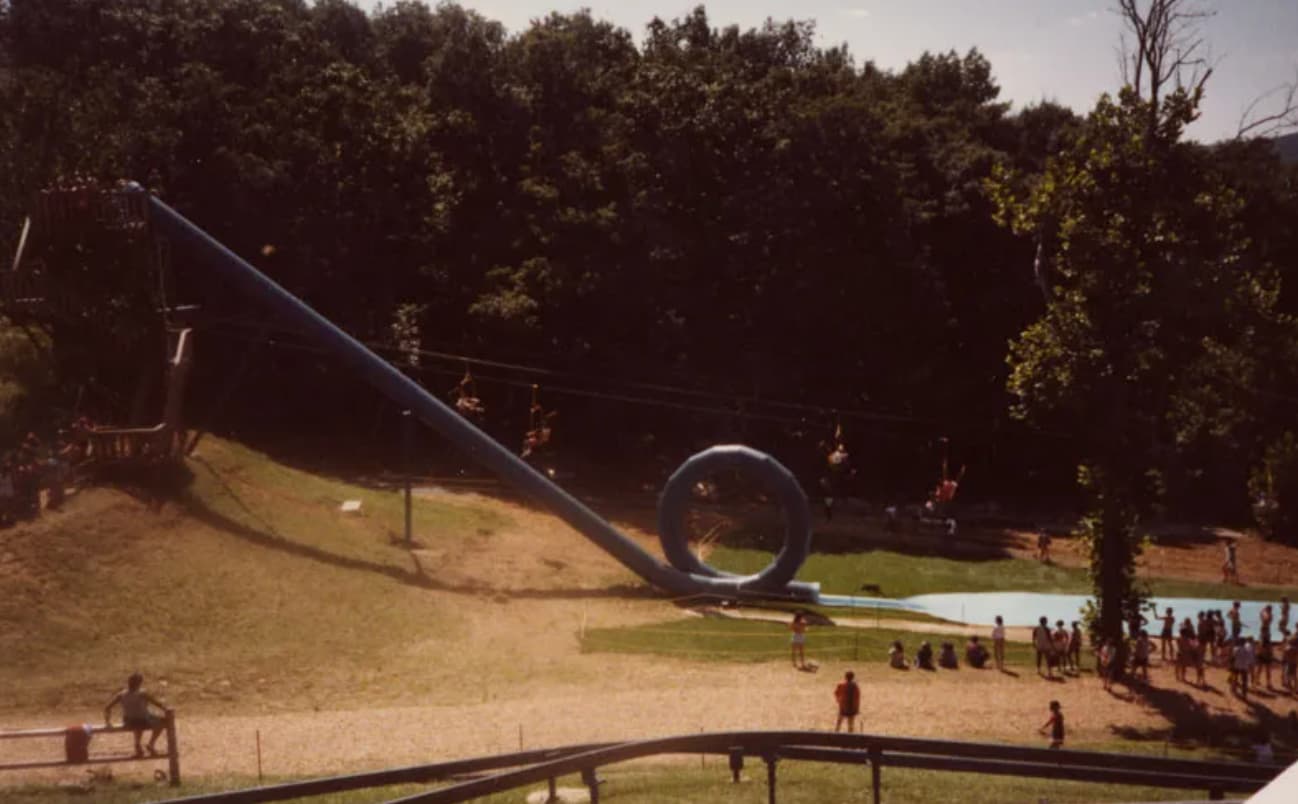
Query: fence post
x=876, y=781
x=592, y=782
x=173, y=748
x=736, y=763
x=770, y=759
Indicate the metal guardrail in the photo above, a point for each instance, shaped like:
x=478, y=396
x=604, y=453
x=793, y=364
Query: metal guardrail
x=877, y=751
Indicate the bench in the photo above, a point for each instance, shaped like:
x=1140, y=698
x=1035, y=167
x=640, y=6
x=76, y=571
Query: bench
x=171, y=755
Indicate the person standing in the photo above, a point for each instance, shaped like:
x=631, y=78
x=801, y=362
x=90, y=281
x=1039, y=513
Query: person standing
x=1245, y=658
x=848, y=696
x=998, y=642
x=1166, y=646
x=136, y=716
x=1042, y=643
x=1284, y=614
x=1236, y=622
x=799, y=640
x=1230, y=567
x=1055, y=725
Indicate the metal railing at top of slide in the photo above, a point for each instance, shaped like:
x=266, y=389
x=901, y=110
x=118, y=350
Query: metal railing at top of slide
x=500, y=773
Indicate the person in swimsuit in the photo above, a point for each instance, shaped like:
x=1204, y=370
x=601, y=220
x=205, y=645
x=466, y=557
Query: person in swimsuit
x=848, y=696
x=1055, y=725
x=136, y=716
x=1166, y=647
x=1075, y=647
x=1230, y=567
x=799, y=641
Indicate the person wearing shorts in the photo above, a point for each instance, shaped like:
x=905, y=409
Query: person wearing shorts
x=799, y=640
x=1167, y=647
x=136, y=715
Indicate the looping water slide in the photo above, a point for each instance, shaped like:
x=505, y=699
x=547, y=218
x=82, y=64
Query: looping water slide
x=685, y=575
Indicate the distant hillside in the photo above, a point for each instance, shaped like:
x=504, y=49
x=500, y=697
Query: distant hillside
x=1288, y=147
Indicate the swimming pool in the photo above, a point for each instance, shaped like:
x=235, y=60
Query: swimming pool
x=1023, y=608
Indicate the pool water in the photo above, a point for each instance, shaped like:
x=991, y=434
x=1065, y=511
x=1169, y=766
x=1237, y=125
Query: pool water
x=1024, y=608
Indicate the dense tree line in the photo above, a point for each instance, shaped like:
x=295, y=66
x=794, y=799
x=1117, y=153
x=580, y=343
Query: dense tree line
x=741, y=211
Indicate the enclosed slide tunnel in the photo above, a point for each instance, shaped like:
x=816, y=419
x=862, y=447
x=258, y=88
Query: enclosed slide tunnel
x=686, y=575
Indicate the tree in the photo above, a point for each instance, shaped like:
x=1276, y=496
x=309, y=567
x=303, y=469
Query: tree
x=1152, y=323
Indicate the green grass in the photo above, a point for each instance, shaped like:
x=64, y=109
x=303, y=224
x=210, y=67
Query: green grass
x=645, y=783
x=901, y=575
x=250, y=589
x=726, y=640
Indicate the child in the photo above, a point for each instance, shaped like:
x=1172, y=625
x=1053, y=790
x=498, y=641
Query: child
x=1075, y=647
x=975, y=654
x=947, y=658
x=897, y=656
x=135, y=712
x=799, y=629
x=848, y=696
x=1055, y=725
x=1166, y=646
x=998, y=642
x=924, y=657
x=1107, y=662
x=1140, y=655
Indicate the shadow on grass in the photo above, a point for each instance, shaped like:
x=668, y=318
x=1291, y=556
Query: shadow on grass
x=265, y=535
x=1195, y=725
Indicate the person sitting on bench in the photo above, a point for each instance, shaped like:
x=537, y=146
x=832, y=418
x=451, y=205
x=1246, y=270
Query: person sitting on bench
x=135, y=713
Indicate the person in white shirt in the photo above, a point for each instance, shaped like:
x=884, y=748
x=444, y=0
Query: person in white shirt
x=998, y=642
x=1245, y=657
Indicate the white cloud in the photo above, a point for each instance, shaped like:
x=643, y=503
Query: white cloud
x=860, y=13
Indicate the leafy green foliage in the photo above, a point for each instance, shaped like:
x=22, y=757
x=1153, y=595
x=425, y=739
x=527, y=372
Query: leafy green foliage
x=1157, y=305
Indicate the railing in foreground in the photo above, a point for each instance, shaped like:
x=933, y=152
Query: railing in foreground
x=877, y=751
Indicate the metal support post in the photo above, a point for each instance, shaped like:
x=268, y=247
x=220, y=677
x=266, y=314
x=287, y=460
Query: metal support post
x=770, y=760
x=407, y=450
x=173, y=748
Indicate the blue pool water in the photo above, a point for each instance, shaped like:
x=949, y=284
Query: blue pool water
x=1023, y=608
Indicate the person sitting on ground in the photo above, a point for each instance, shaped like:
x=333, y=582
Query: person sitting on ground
x=136, y=716
x=897, y=656
x=924, y=656
x=975, y=654
x=946, y=659
x=1140, y=655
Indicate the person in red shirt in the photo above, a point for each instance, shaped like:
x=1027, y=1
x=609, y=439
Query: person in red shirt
x=848, y=696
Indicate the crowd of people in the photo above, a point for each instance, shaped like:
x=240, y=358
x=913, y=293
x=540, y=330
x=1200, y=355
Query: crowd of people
x=35, y=466
x=1213, y=639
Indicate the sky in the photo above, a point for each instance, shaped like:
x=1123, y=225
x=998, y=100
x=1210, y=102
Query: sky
x=1059, y=50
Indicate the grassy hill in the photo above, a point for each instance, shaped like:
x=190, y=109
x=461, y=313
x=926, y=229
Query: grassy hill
x=247, y=580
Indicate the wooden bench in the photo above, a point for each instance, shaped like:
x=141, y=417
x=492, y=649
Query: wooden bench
x=172, y=754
